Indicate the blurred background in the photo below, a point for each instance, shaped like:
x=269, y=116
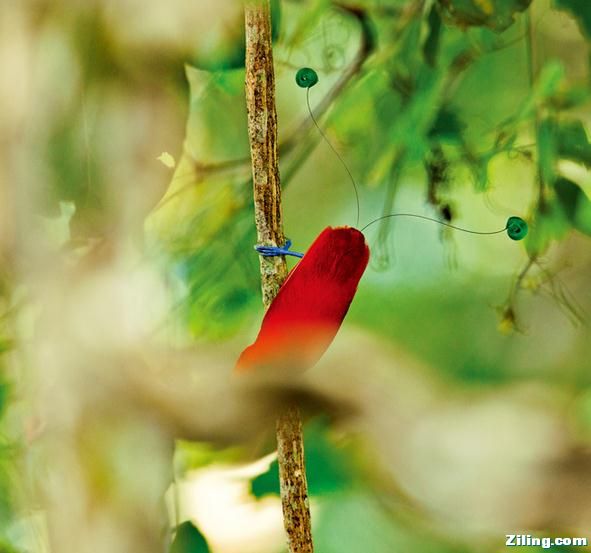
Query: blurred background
x=454, y=406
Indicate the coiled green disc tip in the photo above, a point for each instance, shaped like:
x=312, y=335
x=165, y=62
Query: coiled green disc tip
x=516, y=228
x=306, y=77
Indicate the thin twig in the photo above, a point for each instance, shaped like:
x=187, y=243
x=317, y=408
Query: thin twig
x=262, y=132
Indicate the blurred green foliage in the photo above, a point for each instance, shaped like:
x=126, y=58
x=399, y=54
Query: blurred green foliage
x=188, y=539
x=226, y=49
x=357, y=522
x=579, y=9
x=328, y=468
x=441, y=90
x=7, y=459
x=190, y=456
x=497, y=15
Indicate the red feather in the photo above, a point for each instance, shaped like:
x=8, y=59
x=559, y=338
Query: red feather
x=309, y=309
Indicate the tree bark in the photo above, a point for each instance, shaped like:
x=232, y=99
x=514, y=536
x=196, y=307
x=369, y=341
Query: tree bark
x=262, y=131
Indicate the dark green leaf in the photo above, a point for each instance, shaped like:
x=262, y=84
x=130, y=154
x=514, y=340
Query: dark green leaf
x=431, y=44
x=568, y=196
x=572, y=142
x=189, y=539
x=275, y=19
x=447, y=125
x=575, y=204
x=580, y=10
x=268, y=482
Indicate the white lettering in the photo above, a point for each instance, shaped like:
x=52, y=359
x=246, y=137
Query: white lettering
x=527, y=540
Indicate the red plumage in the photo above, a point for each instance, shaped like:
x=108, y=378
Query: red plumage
x=309, y=309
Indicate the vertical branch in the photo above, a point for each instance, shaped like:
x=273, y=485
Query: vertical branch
x=293, y=483
x=262, y=132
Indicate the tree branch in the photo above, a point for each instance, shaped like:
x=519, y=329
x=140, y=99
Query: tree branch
x=262, y=132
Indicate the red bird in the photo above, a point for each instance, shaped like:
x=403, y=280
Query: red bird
x=309, y=309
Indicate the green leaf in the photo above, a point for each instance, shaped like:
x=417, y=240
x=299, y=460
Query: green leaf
x=189, y=539
x=217, y=102
x=551, y=76
x=497, y=15
x=198, y=197
x=580, y=10
x=547, y=225
x=571, y=210
x=431, y=44
x=547, y=149
x=310, y=18
x=545, y=90
x=447, y=126
x=575, y=204
x=327, y=467
x=203, y=218
x=572, y=142
x=414, y=122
